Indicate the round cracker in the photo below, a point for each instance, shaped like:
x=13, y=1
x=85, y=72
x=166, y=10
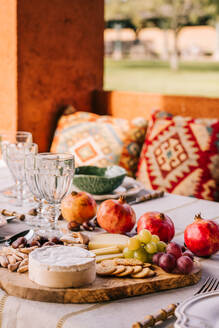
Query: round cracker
x=119, y=269
x=105, y=270
x=128, y=262
x=137, y=268
x=128, y=271
x=145, y=273
x=147, y=265
x=108, y=263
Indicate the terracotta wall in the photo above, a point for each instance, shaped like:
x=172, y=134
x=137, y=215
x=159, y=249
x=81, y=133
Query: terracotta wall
x=8, y=65
x=59, y=60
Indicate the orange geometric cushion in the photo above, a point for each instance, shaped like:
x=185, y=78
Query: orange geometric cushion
x=100, y=140
x=181, y=155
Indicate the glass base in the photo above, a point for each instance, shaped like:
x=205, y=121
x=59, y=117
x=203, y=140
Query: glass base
x=9, y=195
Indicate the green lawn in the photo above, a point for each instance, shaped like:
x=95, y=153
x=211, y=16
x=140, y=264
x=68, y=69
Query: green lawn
x=193, y=78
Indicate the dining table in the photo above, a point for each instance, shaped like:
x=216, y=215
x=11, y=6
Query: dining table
x=121, y=313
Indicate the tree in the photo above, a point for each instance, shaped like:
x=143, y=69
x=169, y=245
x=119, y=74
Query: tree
x=173, y=14
x=179, y=13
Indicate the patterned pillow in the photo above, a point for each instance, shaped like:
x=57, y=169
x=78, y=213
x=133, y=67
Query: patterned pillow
x=100, y=140
x=181, y=155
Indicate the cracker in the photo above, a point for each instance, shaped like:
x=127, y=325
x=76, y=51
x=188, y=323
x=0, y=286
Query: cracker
x=145, y=273
x=128, y=262
x=137, y=268
x=119, y=269
x=108, y=263
x=105, y=271
x=147, y=265
x=127, y=272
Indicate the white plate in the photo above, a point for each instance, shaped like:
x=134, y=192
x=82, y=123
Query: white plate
x=129, y=187
x=200, y=311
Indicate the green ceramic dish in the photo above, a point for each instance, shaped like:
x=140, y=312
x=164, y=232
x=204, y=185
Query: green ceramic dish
x=99, y=181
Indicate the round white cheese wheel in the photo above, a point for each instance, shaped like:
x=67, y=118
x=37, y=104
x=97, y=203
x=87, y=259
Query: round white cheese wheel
x=62, y=266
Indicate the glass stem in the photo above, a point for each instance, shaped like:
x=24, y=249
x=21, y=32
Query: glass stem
x=54, y=215
x=19, y=187
x=40, y=207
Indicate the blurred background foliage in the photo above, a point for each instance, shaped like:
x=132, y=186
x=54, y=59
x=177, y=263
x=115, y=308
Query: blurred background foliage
x=165, y=14
x=145, y=37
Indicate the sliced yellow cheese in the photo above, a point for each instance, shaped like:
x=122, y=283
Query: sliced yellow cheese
x=101, y=258
x=108, y=240
x=107, y=250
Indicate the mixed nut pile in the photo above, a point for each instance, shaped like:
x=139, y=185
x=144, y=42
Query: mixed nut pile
x=16, y=256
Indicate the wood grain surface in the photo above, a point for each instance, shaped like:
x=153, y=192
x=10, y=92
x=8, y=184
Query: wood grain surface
x=103, y=289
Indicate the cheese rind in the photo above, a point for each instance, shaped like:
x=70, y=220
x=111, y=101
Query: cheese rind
x=107, y=250
x=101, y=258
x=62, y=266
x=108, y=240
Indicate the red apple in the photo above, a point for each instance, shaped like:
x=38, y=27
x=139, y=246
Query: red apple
x=202, y=237
x=78, y=207
x=159, y=224
x=116, y=216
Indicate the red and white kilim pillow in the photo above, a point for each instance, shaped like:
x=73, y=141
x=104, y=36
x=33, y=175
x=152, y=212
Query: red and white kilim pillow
x=181, y=155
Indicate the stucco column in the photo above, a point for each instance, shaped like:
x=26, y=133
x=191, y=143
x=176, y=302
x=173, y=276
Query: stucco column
x=51, y=55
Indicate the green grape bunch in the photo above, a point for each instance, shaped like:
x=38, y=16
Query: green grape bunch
x=143, y=246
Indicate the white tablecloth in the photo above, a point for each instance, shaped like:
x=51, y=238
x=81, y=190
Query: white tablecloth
x=20, y=313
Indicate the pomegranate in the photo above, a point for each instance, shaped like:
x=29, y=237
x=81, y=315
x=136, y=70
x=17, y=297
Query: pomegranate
x=116, y=216
x=202, y=237
x=159, y=224
x=78, y=207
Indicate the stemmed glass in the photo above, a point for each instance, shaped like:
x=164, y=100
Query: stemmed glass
x=7, y=137
x=15, y=157
x=54, y=177
x=30, y=176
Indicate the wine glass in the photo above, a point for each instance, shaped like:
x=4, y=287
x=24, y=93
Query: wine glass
x=7, y=137
x=15, y=157
x=30, y=176
x=54, y=178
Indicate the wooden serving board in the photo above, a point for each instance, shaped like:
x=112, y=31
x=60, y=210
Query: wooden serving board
x=103, y=289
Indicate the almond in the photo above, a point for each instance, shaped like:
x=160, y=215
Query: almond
x=22, y=269
x=13, y=267
x=11, y=259
x=4, y=261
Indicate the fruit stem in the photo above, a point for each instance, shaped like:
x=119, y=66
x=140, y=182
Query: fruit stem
x=122, y=199
x=162, y=216
x=198, y=217
x=74, y=193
